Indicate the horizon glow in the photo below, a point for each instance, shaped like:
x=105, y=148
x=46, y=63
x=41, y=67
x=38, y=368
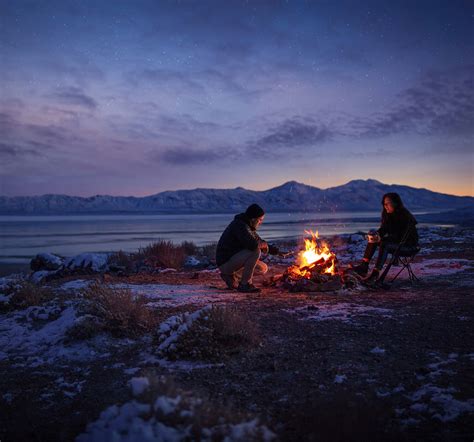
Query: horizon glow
x=135, y=98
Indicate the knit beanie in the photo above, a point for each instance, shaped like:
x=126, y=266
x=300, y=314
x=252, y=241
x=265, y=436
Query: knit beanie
x=254, y=211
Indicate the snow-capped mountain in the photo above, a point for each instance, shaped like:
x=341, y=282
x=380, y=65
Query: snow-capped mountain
x=357, y=195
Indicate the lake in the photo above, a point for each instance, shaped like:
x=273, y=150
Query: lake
x=22, y=237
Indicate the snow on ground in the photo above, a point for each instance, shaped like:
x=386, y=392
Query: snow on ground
x=169, y=419
x=434, y=399
x=175, y=326
x=342, y=311
x=139, y=385
x=176, y=295
x=438, y=267
x=26, y=339
x=76, y=284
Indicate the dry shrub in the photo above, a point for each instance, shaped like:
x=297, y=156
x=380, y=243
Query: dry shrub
x=209, y=251
x=122, y=313
x=189, y=248
x=122, y=259
x=26, y=294
x=221, y=332
x=162, y=254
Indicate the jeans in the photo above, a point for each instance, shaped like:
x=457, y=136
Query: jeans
x=385, y=247
x=244, y=264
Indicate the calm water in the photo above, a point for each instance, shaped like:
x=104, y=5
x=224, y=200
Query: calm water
x=21, y=237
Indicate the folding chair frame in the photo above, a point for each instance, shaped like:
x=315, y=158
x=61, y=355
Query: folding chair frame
x=404, y=260
x=406, y=264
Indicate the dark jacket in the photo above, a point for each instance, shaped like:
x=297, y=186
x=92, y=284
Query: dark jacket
x=394, y=225
x=237, y=236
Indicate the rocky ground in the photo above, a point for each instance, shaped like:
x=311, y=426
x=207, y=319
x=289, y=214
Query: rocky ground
x=358, y=364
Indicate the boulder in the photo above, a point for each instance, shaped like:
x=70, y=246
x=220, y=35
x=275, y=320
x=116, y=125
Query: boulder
x=96, y=262
x=46, y=261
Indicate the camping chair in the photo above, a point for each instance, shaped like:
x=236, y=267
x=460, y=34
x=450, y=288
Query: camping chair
x=403, y=255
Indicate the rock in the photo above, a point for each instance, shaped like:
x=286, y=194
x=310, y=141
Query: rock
x=46, y=261
x=97, y=262
x=41, y=275
x=192, y=261
x=355, y=238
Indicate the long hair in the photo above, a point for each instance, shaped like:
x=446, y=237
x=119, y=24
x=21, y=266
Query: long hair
x=397, y=202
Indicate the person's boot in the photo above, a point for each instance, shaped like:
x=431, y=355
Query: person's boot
x=248, y=288
x=372, y=278
x=362, y=268
x=230, y=281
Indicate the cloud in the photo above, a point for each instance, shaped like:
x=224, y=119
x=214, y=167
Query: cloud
x=441, y=103
x=294, y=132
x=8, y=150
x=25, y=137
x=74, y=96
x=188, y=156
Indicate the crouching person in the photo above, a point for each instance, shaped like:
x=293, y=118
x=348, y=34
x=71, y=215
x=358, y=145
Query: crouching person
x=239, y=250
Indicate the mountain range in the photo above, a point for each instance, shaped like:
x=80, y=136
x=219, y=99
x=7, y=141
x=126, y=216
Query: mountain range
x=356, y=195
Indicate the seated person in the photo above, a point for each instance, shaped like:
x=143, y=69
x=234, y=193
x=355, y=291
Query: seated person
x=239, y=249
x=396, y=220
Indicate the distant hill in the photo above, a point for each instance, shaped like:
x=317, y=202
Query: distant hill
x=357, y=195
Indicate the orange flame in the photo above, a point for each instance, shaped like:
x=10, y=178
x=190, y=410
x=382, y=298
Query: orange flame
x=316, y=253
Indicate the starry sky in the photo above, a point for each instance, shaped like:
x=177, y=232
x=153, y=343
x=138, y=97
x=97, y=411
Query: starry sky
x=137, y=97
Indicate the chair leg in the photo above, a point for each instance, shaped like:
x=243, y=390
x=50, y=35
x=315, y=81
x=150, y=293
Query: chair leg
x=411, y=275
x=396, y=276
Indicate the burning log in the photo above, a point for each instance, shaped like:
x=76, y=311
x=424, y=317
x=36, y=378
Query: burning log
x=317, y=269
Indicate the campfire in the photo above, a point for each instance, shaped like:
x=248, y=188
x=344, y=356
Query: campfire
x=315, y=268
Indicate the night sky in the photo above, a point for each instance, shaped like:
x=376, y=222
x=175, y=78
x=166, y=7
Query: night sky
x=137, y=97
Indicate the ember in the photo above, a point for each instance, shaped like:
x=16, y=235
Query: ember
x=316, y=268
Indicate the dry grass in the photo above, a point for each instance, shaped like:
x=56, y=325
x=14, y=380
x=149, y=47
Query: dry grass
x=120, y=311
x=26, y=294
x=162, y=254
x=209, y=251
x=189, y=248
x=122, y=259
x=220, y=333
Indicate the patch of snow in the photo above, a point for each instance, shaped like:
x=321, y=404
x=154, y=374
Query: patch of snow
x=340, y=378
x=449, y=407
x=131, y=422
x=76, y=284
x=377, y=351
x=244, y=431
x=345, y=312
x=40, y=275
x=5, y=298
x=139, y=385
x=167, y=295
x=130, y=370
x=22, y=340
x=170, y=330
x=167, y=405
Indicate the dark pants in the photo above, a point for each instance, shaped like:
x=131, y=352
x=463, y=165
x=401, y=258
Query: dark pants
x=386, y=247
